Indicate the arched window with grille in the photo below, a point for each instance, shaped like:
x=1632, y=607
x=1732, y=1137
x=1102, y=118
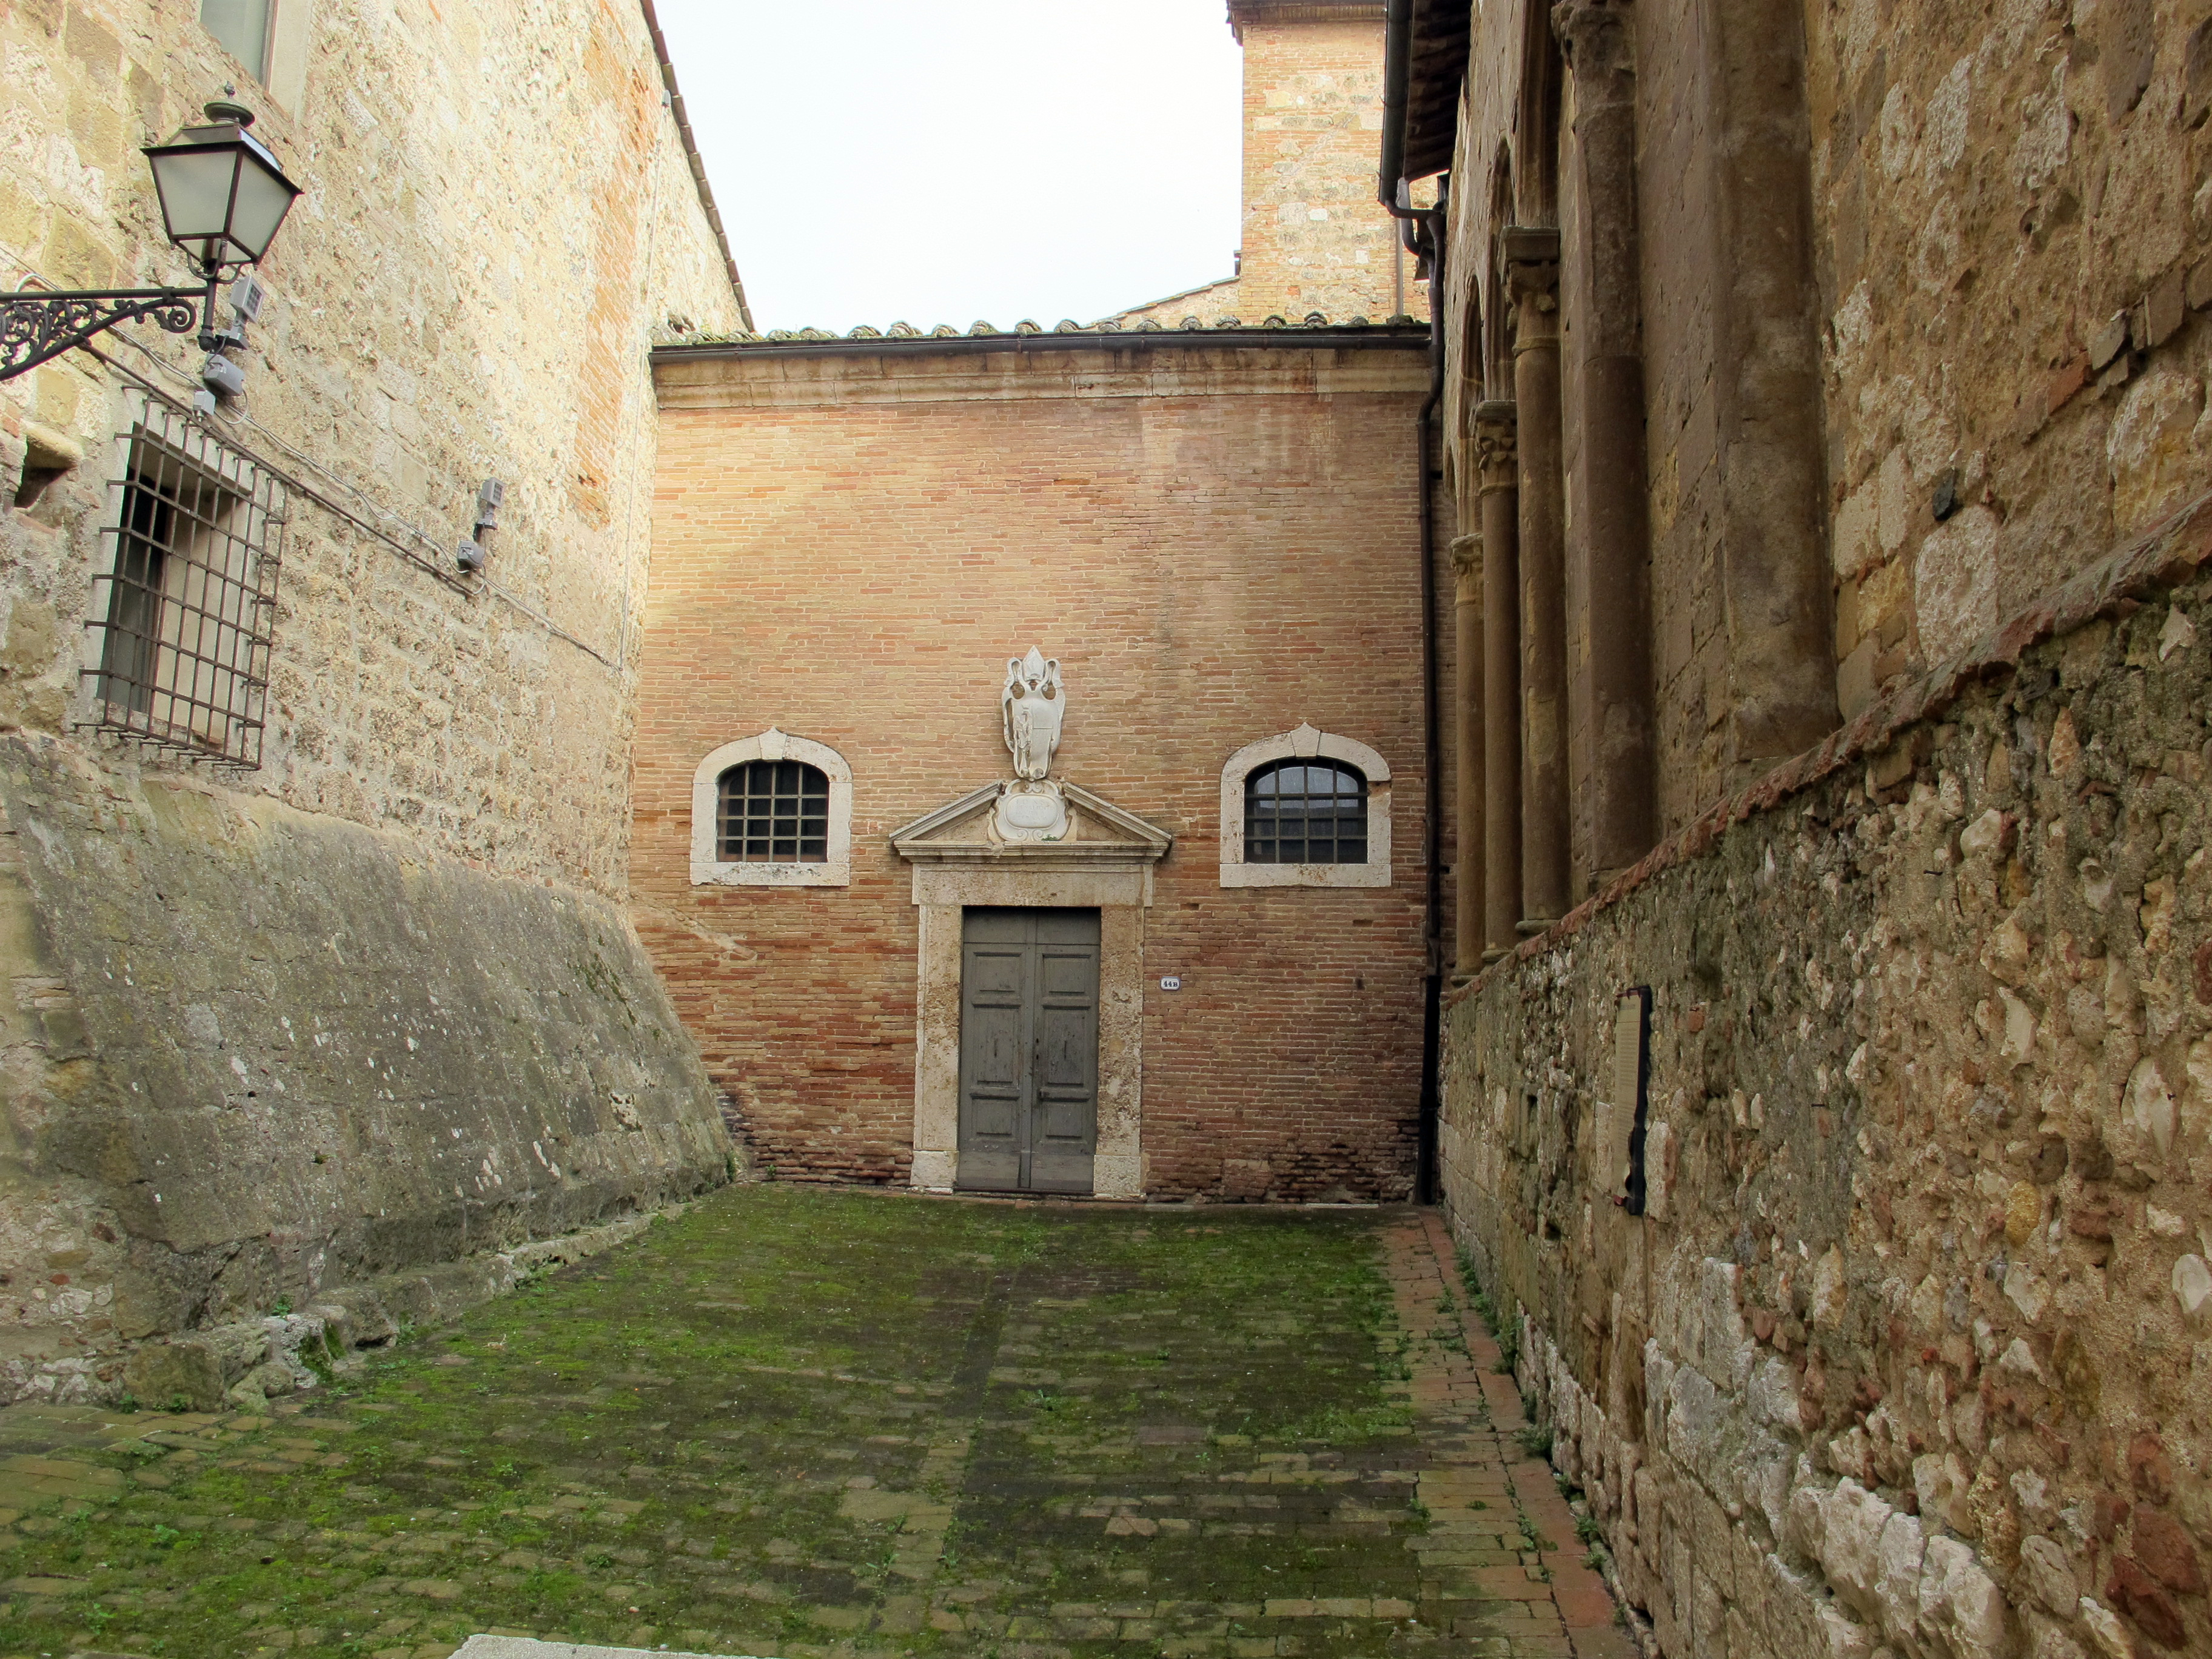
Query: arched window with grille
x=772, y=810
x=1305, y=809
x=773, y=813
x=1306, y=812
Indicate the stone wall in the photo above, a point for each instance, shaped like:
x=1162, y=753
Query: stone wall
x=2027, y=187
x=499, y=214
x=260, y=1054
x=1313, y=238
x=1914, y=301
x=1908, y=1350
x=1218, y=542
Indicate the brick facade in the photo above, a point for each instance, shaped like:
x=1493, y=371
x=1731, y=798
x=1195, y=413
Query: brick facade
x=1217, y=542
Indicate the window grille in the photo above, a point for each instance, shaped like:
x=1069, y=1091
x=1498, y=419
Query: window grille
x=774, y=812
x=1305, y=812
x=185, y=613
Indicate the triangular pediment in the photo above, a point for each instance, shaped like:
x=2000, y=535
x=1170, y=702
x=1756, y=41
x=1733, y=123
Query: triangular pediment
x=1097, y=830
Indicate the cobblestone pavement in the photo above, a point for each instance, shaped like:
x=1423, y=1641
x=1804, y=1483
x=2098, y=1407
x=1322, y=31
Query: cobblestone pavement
x=806, y=1423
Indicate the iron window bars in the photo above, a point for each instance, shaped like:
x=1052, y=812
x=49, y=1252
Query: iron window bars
x=1305, y=812
x=774, y=812
x=185, y=613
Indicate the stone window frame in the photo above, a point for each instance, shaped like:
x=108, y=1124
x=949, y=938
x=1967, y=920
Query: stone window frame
x=709, y=870
x=1305, y=743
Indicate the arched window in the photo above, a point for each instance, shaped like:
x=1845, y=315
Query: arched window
x=1305, y=809
x=773, y=813
x=1306, y=812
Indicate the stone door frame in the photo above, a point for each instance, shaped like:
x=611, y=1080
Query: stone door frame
x=1106, y=865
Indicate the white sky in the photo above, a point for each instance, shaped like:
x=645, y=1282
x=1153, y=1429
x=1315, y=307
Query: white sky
x=942, y=160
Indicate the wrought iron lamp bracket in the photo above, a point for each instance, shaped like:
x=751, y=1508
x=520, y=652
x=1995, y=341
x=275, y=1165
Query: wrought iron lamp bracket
x=39, y=324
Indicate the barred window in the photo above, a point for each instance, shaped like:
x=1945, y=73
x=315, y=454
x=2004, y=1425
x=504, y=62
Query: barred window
x=185, y=613
x=1306, y=812
x=774, y=812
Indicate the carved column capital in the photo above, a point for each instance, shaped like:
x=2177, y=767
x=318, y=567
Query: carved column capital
x=1498, y=462
x=1596, y=37
x=1467, y=557
x=1532, y=283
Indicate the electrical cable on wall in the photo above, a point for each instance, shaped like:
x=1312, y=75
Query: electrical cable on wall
x=431, y=566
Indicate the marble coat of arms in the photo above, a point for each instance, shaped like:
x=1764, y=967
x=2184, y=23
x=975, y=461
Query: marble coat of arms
x=1032, y=707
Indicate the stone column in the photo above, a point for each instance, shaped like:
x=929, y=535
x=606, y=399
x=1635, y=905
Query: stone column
x=1499, y=481
x=1771, y=479
x=1532, y=276
x=1468, y=737
x=1611, y=496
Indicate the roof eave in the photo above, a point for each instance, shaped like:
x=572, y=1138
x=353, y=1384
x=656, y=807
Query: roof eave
x=1397, y=336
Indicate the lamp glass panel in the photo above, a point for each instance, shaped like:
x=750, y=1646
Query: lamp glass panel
x=195, y=191
x=263, y=198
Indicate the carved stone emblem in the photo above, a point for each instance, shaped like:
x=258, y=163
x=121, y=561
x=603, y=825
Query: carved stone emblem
x=1032, y=707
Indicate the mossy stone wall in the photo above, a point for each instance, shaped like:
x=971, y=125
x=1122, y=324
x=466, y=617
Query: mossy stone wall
x=256, y=1053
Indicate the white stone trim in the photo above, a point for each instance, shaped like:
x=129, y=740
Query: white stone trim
x=1106, y=862
x=1305, y=743
x=1117, y=1168
x=708, y=871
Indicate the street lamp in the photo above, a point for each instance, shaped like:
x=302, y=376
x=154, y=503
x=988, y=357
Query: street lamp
x=223, y=196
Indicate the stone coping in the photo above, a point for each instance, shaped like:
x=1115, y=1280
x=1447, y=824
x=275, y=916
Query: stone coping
x=2164, y=557
x=1402, y=331
x=1047, y=368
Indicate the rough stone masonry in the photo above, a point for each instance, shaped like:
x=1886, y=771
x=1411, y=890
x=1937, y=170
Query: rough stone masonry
x=1825, y=412
x=1908, y=1346
x=372, y=1005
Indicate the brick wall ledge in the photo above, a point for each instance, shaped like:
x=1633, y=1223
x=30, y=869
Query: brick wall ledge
x=2163, y=556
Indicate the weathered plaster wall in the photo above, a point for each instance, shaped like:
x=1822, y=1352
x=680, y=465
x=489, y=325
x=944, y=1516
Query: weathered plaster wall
x=1910, y=1351
x=1217, y=543
x=265, y=1054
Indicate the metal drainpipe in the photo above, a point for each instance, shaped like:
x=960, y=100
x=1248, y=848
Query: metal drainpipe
x=1397, y=75
x=1425, y=1160
x=1391, y=189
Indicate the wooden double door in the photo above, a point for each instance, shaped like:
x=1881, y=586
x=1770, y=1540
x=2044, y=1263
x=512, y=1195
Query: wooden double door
x=1028, y=1049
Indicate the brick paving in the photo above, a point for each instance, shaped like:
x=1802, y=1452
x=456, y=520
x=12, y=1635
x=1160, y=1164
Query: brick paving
x=803, y=1422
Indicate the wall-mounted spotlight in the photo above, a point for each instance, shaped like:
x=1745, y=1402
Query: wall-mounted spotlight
x=472, y=553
